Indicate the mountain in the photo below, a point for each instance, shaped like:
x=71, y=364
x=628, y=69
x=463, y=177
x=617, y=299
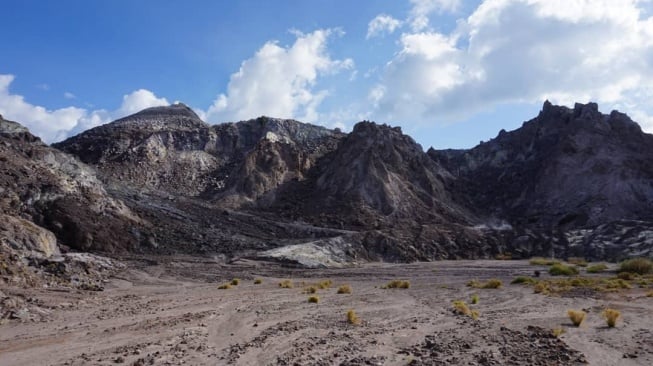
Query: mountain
x=571, y=181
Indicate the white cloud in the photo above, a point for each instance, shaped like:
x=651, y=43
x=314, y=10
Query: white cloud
x=56, y=125
x=382, y=24
x=421, y=9
x=522, y=51
x=69, y=95
x=280, y=81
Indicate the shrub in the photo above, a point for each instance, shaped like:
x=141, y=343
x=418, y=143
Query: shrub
x=475, y=299
x=581, y=262
x=460, y=307
x=636, y=265
x=258, y=281
x=576, y=316
x=397, y=284
x=626, y=276
x=562, y=270
x=542, y=288
x=596, y=268
x=310, y=290
x=322, y=285
x=474, y=314
x=235, y=282
x=226, y=286
x=344, y=289
x=543, y=261
x=649, y=294
x=314, y=299
x=557, y=332
x=611, y=316
x=474, y=284
x=523, y=280
x=286, y=284
x=352, y=318
x=617, y=283
x=493, y=283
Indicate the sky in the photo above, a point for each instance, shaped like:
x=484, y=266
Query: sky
x=451, y=73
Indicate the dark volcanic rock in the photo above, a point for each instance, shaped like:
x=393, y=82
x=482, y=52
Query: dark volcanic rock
x=56, y=191
x=566, y=168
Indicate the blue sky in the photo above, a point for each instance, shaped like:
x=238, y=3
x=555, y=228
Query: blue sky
x=450, y=72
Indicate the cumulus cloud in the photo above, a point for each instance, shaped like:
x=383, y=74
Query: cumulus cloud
x=522, y=51
x=421, y=9
x=280, y=81
x=55, y=125
x=382, y=24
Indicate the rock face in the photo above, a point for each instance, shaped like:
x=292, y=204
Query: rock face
x=568, y=182
x=57, y=192
x=566, y=168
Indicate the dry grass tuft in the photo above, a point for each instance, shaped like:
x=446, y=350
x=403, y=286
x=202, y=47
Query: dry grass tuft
x=310, y=290
x=286, y=284
x=397, y=284
x=524, y=280
x=628, y=276
x=557, y=332
x=352, y=318
x=314, y=299
x=542, y=288
x=640, y=266
x=460, y=307
x=235, y=282
x=258, y=281
x=597, y=268
x=475, y=299
x=611, y=316
x=226, y=286
x=503, y=256
x=543, y=261
x=323, y=285
x=344, y=289
x=562, y=270
x=581, y=262
x=576, y=316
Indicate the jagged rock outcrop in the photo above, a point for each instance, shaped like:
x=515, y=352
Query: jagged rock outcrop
x=564, y=169
x=57, y=192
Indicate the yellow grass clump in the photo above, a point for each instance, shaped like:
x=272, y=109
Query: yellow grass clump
x=286, y=284
x=475, y=299
x=235, y=282
x=323, y=285
x=543, y=261
x=611, y=316
x=258, y=281
x=557, y=332
x=226, y=286
x=314, y=299
x=576, y=316
x=310, y=290
x=637, y=265
x=397, y=284
x=344, y=289
x=596, y=268
x=492, y=283
x=352, y=318
x=649, y=294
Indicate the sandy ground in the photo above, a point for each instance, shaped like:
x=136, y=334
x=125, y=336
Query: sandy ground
x=170, y=312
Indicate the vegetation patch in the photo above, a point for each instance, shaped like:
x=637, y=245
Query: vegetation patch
x=581, y=262
x=352, y=318
x=503, y=256
x=537, y=261
x=649, y=294
x=313, y=299
x=597, y=268
x=235, y=282
x=492, y=283
x=310, y=290
x=562, y=270
x=525, y=280
x=611, y=316
x=226, y=286
x=475, y=299
x=344, y=289
x=576, y=316
x=258, y=281
x=557, y=332
x=323, y=285
x=286, y=284
x=397, y=284
x=640, y=266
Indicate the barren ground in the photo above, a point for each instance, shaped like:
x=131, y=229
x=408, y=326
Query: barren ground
x=170, y=311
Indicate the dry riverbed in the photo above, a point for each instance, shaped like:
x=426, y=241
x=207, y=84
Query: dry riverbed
x=170, y=312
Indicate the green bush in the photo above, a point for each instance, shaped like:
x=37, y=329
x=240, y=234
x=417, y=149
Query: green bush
x=560, y=269
x=524, y=280
x=596, y=268
x=640, y=266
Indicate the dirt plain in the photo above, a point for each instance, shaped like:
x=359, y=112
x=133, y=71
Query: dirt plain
x=169, y=311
